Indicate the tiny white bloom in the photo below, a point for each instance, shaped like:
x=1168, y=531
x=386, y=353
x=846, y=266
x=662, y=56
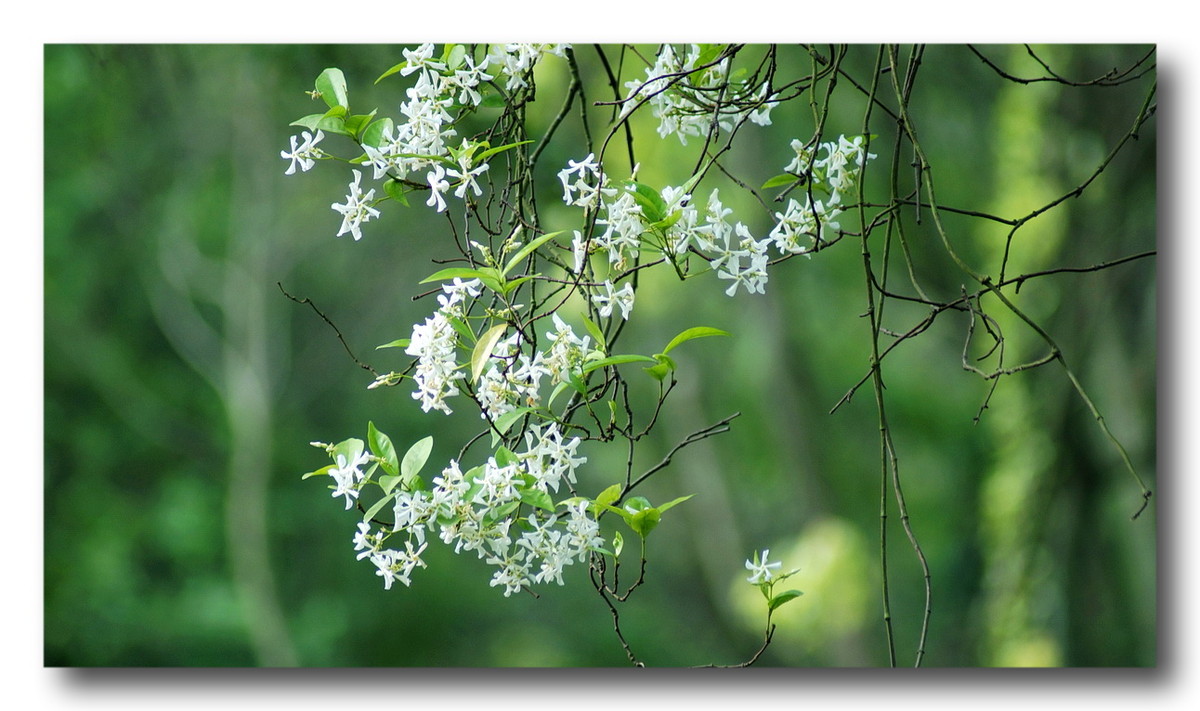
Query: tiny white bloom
x=760, y=569
x=357, y=209
x=305, y=154
x=438, y=185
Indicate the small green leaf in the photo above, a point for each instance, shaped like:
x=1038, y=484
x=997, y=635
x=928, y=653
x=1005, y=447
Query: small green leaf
x=691, y=333
x=387, y=483
x=310, y=122
x=505, y=457
x=462, y=329
x=607, y=497
x=483, y=350
x=381, y=446
x=493, y=101
x=370, y=514
x=454, y=55
x=637, y=503
x=396, y=191
x=498, y=149
x=665, y=365
x=538, y=498
x=664, y=224
x=333, y=124
x=511, y=286
x=644, y=522
x=618, y=543
x=654, y=208
x=616, y=360
x=782, y=598
x=577, y=383
x=593, y=329
x=506, y=421
x=332, y=86
x=415, y=458
x=349, y=449
x=358, y=123
x=319, y=472
x=488, y=276
x=373, y=135
x=529, y=249
x=779, y=181
x=392, y=71
x=399, y=343
x=674, y=503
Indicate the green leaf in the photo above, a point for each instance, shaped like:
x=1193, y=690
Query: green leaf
x=779, y=180
x=381, y=446
x=398, y=343
x=415, y=458
x=643, y=522
x=392, y=71
x=654, y=208
x=691, y=333
x=454, y=54
x=396, y=191
x=607, y=497
x=528, y=249
x=332, y=86
x=493, y=101
x=483, y=350
x=577, y=383
x=373, y=135
x=333, y=124
x=310, y=122
x=505, y=421
x=538, y=498
x=618, y=543
x=782, y=598
x=376, y=507
x=664, y=224
x=387, y=483
x=490, y=277
x=626, y=515
x=498, y=149
x=505, y=457
x=593, y=329
x=665, y=365
x=349, y=449
x=358, y=123
x=616, y=360
x=319, y=472
x=637, y=503
x=676, y=502
x=511, y=286
x=462, y=329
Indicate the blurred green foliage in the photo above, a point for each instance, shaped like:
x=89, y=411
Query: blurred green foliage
x=182, y=388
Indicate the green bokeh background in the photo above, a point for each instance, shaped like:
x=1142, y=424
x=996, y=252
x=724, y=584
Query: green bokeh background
x=182, y=388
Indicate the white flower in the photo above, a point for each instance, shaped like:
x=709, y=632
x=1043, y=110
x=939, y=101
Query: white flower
x=366, y=542
x=760, y=569
x=437, y=185
x=348, y=476
x=357, y=208
x=622, y=297
x=305, y=154
x=467, y=175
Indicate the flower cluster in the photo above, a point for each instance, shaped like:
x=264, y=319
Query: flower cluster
x=802, y=225
x=683, y=93
x=731, y=249
x=478, y=511
x=420, y=148
x=435, y=345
